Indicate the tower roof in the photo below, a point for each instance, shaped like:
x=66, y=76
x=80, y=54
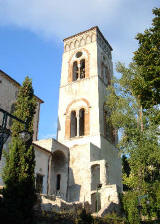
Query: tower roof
x=92, y=28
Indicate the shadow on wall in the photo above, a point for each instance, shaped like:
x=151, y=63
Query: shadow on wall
x=113, y=207
x=59, y=126
x=73, y=189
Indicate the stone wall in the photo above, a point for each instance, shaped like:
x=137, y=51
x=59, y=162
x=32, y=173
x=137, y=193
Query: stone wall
x=56, y=204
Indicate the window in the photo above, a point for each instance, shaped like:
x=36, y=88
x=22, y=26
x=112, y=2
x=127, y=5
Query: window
x=78, y=70
x=12, y=111
x=109, y=131
x=39, y=183
x=77, y=124
x=105, y=74
x=75, y=71
x=58, y=182
x=82, y=69
x=95, y=176
x=73, y=124
x=81, y=122
x=79, y=54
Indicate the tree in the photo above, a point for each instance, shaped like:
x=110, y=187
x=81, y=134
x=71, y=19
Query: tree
x=147, y=57
x=125, y=170
x=18, y=174
x=140, y=132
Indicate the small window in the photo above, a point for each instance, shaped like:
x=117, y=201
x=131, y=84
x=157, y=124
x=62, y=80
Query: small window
x=106, y=76
x=73, y=124
x=81, y=122
x=102, y=71
x=13, y=107
x=58, y=182
x=39, y=183
x=82, y=69
x=75, y=71
x=78, y=54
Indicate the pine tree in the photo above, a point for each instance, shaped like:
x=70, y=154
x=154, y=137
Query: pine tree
x=18, y=174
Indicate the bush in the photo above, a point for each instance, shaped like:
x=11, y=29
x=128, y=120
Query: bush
x=130, y=205
x=84, y=218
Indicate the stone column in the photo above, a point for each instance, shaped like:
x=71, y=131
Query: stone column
x=67, y=127
x=77, y=115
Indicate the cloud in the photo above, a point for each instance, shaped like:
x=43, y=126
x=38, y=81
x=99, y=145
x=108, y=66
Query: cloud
x=119, y=20
x=60, y=18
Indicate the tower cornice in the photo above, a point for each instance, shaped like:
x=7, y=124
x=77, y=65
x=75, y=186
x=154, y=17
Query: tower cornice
x=93, y=30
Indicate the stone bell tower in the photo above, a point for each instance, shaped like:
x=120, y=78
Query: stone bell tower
x=86, y=72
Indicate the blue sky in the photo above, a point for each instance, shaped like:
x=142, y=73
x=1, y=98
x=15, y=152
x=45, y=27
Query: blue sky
x=32, y=33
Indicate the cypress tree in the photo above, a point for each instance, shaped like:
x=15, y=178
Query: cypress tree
x=18, y=175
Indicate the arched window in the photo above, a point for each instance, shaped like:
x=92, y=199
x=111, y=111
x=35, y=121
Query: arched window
x=105, y=74
x=102, y=71
x=95, y=176
x=81, y=122
x=82, y=69
x=73, y=124
x=78, y=70
x=39, y=183
x=58, y=182
x=109, y=131
x=77, y=121
x=75, y=71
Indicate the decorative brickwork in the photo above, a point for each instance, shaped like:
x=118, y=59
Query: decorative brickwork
x=74, y=101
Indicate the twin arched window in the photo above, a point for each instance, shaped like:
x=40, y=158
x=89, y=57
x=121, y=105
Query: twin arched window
x=78, y=71
x=77, y=123
x=105, y=74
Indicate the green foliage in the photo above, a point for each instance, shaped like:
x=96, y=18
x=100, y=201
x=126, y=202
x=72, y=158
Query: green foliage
x=114, y=219
x=139, y=137
x=130, y=203
x=18, y=174
x=125, y=170
x=84, y=218
x=147, y=57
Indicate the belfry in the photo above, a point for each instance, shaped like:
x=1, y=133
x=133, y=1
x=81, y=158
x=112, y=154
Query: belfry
x=93, y=159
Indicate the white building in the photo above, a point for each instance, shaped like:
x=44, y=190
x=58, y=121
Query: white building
x=84, y=154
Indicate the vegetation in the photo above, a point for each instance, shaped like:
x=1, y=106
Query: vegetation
x=147, y=57
x=19, y=192
x=81, y=217
x=133, y=105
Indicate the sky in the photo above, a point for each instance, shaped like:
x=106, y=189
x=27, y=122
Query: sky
x=32, y=33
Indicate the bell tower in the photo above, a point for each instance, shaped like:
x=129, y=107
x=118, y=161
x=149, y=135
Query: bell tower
x=86, y=72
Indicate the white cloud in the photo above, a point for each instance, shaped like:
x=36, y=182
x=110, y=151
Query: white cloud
x=53, y=17
x=119, y=20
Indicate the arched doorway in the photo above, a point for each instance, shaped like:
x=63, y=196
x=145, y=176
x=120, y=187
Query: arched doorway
x=59, y=174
